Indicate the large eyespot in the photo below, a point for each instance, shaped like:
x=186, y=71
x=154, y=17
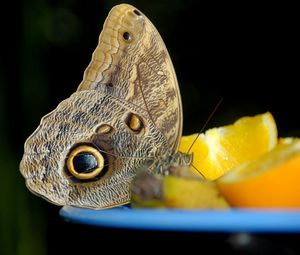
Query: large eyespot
x=85, y=162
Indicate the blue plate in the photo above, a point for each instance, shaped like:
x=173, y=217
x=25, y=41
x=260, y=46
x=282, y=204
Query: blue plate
x=234, y=220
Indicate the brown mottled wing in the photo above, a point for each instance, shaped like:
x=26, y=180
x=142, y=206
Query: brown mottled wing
x=132, y=63
x=76, y=120
x=131, y=88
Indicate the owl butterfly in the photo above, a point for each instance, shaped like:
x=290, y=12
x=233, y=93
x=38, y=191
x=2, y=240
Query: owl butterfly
x=125, y=114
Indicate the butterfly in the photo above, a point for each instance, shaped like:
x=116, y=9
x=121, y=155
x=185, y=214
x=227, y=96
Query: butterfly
x=125, y=114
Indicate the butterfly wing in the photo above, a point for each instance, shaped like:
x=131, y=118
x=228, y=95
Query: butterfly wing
x=131, y=62
x=126, y=111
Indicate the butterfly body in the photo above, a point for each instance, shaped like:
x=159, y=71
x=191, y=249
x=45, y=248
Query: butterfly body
x=126, y=112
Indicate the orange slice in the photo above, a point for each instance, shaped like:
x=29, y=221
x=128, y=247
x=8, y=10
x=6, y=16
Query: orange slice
x=273, y=180
x=220, y=149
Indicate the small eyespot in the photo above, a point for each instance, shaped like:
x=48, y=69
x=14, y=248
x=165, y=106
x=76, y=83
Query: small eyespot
x=104, y=129
x=127, y=37
x=137, y=12
x=85, y=162
x=109, y=85
x=134, y=122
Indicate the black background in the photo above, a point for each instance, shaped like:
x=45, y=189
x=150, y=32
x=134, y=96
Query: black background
x=246, y=54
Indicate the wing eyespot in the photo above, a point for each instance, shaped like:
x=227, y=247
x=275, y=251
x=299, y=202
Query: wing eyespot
x=85, y=162
x=137, y=12
x=135, y=123
x=127, y=36
x=104, y=129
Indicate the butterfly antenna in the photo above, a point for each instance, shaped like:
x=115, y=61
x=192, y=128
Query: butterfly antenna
x=205, y=124
x=199, y=172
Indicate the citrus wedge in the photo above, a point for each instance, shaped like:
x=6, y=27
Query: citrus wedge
x=188, y=193
x=156, y=191
x=273, y=180
x=220, y=149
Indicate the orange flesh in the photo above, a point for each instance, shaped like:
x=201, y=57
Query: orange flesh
x=278, y=187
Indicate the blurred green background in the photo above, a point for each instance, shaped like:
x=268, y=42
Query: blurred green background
x=244, y=54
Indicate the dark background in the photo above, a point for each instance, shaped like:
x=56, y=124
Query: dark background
x=245, y=54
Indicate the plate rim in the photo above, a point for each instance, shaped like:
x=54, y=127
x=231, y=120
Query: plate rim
x=227, y=220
